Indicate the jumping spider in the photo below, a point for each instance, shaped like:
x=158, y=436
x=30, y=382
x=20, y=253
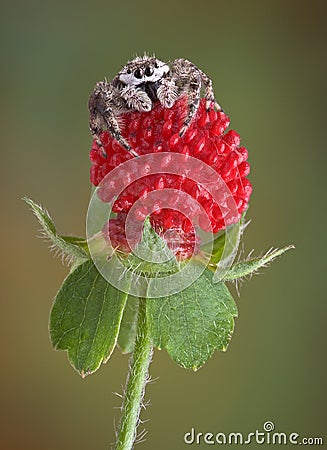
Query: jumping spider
x=142, y=82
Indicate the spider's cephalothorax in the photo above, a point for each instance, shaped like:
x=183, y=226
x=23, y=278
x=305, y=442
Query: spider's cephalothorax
x=142, y=82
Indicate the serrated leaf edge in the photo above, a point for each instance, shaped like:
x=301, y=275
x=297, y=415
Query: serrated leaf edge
x=56, y=344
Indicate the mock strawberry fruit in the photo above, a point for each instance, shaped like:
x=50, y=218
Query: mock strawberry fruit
x=184, y=203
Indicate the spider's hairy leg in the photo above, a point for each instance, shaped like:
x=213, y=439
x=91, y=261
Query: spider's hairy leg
x=208, y=92
x=113, y=128
x=136, y=98
x=95, y=132
x=101, y=109
x=167, y=92
x=95, y=120
x=193, y=88
x=193, y=80
x=189, y=76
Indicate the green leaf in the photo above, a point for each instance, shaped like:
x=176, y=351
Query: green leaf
x=128, y=326
x=152, y=256
x=85, y=318
x=191, y=324
x=251, y=266
x=74, y=248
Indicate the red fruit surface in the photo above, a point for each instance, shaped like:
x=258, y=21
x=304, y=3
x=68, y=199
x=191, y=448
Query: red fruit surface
x=157, y=131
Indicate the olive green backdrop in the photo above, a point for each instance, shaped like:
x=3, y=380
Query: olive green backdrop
x=268, y=64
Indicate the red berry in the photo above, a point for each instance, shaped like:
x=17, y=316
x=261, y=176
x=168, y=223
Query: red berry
x=181, y=197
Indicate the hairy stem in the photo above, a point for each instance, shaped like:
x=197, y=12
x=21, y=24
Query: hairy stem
x=136, y=380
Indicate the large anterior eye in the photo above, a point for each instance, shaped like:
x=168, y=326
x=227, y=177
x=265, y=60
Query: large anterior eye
x=148, y=71
x=138, y=73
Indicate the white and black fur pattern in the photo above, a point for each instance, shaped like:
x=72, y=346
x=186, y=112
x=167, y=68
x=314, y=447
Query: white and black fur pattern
x=142, y=82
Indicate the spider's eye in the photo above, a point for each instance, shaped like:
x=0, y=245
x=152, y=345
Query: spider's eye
x=148, y=71
x=138, y=73
x=128, y=71
x=156, y=65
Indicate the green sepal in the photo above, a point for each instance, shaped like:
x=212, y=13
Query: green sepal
x=251, y=266
x=152, y=256
x=74, y=249
x=224, y=245
x=78, y=241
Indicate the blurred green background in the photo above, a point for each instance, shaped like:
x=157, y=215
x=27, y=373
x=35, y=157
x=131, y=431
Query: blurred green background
x=267, y=60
